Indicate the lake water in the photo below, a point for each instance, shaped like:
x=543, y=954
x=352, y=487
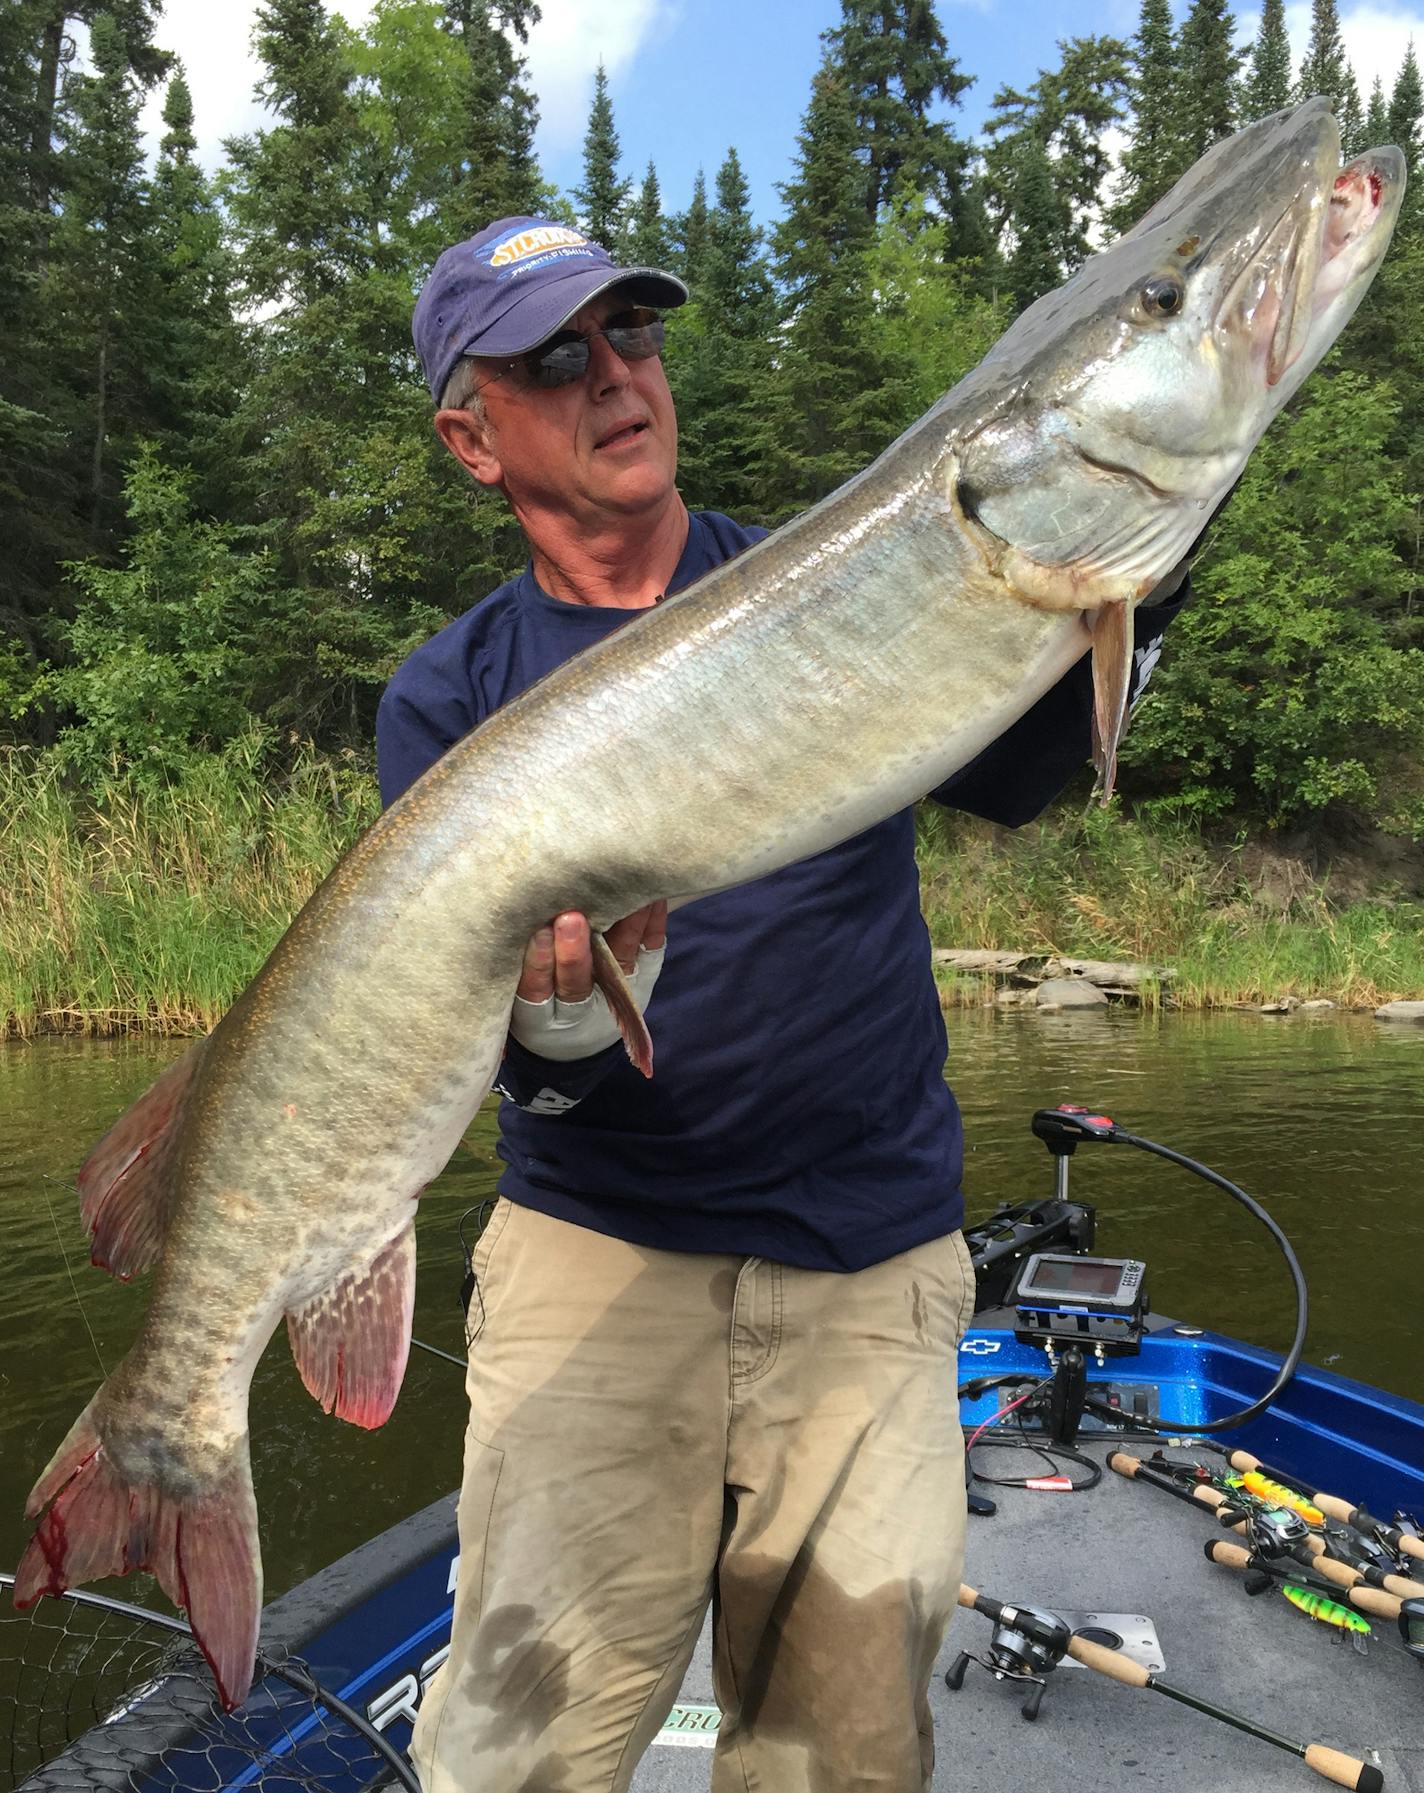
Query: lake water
x=1321, y=1119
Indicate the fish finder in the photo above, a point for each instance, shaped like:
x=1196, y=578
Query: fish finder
x=1098, y=1304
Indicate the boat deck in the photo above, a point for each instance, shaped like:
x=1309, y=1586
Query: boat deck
x=1123, y=1547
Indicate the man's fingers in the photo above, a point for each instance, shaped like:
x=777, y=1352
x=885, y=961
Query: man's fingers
x=573, y=957
x=645, y=927
x=655, y=928
x=536, y=980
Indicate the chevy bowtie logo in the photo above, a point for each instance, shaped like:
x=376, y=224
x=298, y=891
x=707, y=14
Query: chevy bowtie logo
x=980, y=1347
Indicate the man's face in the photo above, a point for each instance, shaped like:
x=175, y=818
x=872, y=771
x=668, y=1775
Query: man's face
x=604, y=445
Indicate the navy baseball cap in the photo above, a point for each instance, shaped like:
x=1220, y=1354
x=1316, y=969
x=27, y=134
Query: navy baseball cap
x=513, y=286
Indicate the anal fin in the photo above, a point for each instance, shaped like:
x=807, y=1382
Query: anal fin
x=351, y=1341
x=126, y=1185
x=623, y=1005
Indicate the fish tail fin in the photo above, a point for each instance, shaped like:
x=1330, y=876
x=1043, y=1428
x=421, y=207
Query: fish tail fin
x=203, y=1548
x=126, y=1185
x=623, y=1005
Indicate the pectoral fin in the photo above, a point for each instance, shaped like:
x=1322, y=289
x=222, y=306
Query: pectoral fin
x=608, y=975
x=1112, y=683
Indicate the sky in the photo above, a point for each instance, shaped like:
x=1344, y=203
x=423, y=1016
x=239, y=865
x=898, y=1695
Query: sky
x=688, y=78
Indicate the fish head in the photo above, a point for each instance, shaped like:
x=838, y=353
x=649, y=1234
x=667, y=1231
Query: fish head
x=1119, y=410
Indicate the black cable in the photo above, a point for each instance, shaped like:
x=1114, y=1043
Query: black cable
x=1302, y=1300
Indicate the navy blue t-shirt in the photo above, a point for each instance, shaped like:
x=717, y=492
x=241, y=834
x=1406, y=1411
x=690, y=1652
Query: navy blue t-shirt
x=798, y=1108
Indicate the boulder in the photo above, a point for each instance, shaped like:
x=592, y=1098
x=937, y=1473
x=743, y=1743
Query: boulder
x=1316, y=1006
x=1069, y=993
x=1400, y=1011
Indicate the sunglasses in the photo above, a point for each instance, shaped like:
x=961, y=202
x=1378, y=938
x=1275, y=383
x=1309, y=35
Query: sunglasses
x=635, y=335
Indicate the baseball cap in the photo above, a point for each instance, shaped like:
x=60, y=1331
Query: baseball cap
x=512, y=286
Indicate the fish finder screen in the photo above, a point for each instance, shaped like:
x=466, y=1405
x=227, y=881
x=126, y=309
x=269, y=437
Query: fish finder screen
x=1081, y=1277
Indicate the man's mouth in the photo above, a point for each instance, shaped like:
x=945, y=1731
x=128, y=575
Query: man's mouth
x=621, y=435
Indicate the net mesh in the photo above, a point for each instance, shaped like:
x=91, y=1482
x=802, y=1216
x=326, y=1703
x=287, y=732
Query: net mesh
x=70, y=1664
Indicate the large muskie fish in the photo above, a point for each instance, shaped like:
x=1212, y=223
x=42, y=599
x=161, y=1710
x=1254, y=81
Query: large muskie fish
x=816, y=684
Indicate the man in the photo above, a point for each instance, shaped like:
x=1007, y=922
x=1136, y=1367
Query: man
x=715, y=1325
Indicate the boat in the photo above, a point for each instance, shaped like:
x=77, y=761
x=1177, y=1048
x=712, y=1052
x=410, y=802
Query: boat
x=1111, y=1523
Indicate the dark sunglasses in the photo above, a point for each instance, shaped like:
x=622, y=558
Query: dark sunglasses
x=636, y=335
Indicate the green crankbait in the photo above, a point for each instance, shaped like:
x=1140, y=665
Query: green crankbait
x=1328, y=1611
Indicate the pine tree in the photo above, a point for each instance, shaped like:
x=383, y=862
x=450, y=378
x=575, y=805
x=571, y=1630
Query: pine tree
x=1267, y=86
x=1377, y=115
x=100, y=292
x=1151, y=154
x=1406, y=113
x=603, y=197
x=691, y=233
x=1036, y=220
x=835, y=399
x=1208, y=61
x=895, y=62
x=290, y=188
x=1066, y=114
x=195, y=381
x=1326, y=70
x=720, y=361
x=648, y=233
x=496, y=175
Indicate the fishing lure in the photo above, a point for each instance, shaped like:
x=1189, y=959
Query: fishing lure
x=1328, y=1611
x=1277, y=1495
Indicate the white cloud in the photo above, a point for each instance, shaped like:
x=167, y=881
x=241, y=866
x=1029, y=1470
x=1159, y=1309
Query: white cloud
x=214, y=43
x=564, y=50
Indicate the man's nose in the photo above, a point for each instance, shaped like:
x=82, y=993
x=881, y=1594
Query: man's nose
x=607, y=370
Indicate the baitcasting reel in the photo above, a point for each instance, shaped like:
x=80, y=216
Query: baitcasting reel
x=1028, y=1643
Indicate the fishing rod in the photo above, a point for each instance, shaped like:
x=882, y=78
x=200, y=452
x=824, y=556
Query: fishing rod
x=1402, y=1542
x=1371, y=1600
x=1029, y=1642
x=1334, y=1558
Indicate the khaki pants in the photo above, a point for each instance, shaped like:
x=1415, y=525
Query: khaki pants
x=652, y=1430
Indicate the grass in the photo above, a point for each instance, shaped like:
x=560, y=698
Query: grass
x=1103, y=886
x=148, y=906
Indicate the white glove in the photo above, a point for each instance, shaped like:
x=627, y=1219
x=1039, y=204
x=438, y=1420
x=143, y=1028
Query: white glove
x=563, y=1030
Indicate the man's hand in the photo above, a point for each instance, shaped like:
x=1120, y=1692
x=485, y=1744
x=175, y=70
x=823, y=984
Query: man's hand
x=558, y=1014
x=558, y=960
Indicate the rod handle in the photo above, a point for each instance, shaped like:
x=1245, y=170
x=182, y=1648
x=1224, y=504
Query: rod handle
x=1411, y=1546
x=1124, y=1464
x=1108, y=1662
x=1340, y=1573
x=1404, y=1587
x=1230, y=1556
x=1375, y=1600
x=1335, y=1508
x=1345, y=1771
x=1245, y=1462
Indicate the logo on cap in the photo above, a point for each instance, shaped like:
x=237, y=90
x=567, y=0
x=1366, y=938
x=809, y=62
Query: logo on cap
x=533, y=246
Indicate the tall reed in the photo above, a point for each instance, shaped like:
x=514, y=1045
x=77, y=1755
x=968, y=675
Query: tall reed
x=149, y=905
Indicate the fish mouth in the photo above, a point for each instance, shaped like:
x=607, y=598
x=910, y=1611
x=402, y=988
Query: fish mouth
x=1315, y=259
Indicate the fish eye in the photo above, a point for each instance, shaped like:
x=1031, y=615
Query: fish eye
x=1163, y=296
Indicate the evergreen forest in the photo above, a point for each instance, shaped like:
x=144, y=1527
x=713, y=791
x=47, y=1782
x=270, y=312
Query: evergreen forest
x=227, y=518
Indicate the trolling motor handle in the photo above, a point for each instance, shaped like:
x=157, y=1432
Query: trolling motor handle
x=1065, y=1128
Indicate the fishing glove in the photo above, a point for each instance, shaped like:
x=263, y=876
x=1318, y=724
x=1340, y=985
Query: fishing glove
x=560, y=1030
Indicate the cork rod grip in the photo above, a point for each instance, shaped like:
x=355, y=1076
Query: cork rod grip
x=1230, y=1556
x=1108, y=1662
x=1344, y=1770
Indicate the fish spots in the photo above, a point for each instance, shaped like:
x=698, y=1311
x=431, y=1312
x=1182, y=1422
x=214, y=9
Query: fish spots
x=1188, y=246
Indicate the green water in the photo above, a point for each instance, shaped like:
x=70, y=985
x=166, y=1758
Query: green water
x=1323, y=1120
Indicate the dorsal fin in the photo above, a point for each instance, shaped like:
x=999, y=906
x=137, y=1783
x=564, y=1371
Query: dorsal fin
x=126, y=1186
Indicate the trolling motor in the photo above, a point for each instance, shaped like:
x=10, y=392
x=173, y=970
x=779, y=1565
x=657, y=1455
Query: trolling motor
x=1072, y=1307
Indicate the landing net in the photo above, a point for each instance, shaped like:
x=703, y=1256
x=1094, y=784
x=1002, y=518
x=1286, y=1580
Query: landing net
x=99, y=1695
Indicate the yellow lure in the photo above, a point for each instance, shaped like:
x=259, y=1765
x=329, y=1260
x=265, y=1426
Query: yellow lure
x=1278, y=1496
x=1328, y=1611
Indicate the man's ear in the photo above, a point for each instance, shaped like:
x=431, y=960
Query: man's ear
x=471, y=442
